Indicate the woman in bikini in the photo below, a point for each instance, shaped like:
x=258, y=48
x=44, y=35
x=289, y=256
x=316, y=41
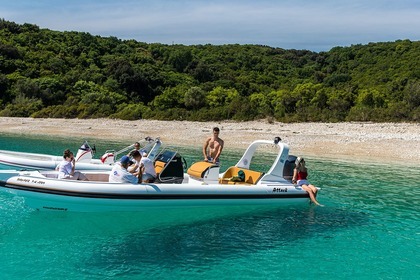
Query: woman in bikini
x=300, y=173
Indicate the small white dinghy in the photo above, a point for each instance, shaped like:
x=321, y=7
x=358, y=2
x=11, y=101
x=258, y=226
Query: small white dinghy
x=84, y=158
x=201, y=185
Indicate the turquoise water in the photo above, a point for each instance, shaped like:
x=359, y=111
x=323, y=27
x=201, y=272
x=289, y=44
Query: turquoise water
x=368, y=229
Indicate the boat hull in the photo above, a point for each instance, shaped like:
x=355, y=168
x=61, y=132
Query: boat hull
x=83, y=196
x=201, y=185
x=52, y=202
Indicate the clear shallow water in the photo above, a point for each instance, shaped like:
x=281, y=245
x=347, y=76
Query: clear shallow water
x=369, y=229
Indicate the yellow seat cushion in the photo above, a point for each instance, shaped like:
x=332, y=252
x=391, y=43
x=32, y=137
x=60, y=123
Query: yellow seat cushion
x=251, y=176
x=159, y=165
x=198, y=169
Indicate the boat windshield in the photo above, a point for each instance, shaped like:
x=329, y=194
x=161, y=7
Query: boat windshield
x=264, y=157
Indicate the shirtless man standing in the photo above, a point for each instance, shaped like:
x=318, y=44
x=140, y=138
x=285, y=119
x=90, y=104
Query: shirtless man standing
x=215, y=145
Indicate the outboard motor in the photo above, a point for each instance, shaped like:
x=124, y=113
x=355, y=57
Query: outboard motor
x=85, y=153
x=108, y=158
x=289, y=166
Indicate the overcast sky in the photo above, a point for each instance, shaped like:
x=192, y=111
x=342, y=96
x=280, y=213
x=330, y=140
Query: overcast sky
x=316, y=25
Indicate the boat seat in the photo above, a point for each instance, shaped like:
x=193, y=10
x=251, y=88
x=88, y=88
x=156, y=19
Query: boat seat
x=200, y=168
x=159, y=165
x=251, y=176
x=169, y=167
x=98, y=177
x=48, y=175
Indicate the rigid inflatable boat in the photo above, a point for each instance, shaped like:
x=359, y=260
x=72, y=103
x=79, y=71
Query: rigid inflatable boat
x=84, y=158
x=201, y=185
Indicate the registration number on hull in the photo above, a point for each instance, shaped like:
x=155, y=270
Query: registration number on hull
x=277, y=190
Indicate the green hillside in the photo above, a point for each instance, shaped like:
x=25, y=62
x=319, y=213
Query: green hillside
x=45, y=73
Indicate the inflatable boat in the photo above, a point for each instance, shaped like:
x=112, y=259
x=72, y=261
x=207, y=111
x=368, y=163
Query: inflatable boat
x=202, y=184
x=84, y=157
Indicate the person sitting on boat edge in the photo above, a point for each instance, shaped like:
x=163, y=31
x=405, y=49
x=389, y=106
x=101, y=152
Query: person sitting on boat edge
x=120, y=174
x=213, y=147
x=67, y=167
x=300, y=174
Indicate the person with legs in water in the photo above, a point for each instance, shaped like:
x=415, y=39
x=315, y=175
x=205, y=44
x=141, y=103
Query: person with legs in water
x=300, y=174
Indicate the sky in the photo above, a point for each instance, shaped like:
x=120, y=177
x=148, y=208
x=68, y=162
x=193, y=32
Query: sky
x=316, y=25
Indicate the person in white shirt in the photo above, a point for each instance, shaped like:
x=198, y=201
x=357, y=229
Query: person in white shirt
x=136, y=166
x=149, y=173
x=120, y=174
x=67, y=167
x=144, y=166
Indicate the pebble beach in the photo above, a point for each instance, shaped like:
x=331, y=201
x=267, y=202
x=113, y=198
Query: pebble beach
x=364, y=141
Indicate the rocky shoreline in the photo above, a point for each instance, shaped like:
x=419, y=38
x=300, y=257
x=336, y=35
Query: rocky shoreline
x=378, y=142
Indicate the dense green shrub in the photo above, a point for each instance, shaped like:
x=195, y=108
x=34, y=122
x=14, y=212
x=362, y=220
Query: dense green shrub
x=131, y=111
x=46, y=73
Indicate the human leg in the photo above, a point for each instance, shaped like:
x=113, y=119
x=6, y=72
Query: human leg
x=148, y=178
x=79, y=176
x=311, y=193
x=313, y=188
